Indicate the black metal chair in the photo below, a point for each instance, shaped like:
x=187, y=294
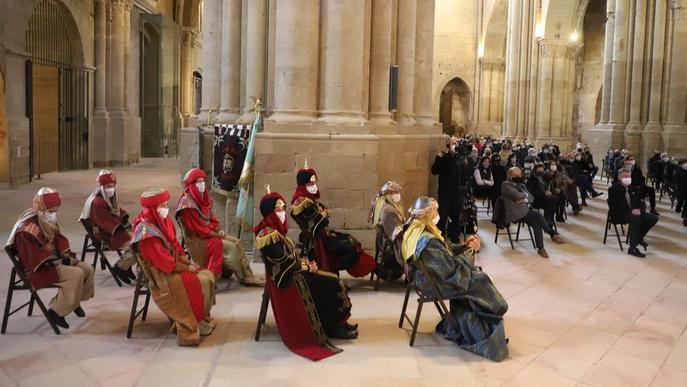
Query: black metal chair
x=92, y=245
x=22, y=283
x=423, y=297
x=383, y=246
x=610, y=222
x=498, y=220
x=140, y=290
x=262, y=317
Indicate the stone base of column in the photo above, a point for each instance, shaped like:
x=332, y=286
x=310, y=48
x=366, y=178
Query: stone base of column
x=675, y=139
x=227, y=116
x=604, y=136
x=489, y=128
x=101, y=124
x=246, y=117
x=291, y=116
x=382, y=118
x=633, y=139
x=116, y=139
x=426, y=121
x=406, y=119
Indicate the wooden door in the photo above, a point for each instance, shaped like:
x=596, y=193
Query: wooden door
x=46, y=116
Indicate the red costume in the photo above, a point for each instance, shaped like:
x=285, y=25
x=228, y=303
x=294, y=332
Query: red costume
x=110, y=222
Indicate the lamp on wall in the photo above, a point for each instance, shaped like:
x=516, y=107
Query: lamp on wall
x=480, y=50
x=574, y=36
x=539, y=30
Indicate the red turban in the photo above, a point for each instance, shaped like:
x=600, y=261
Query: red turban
x=106, y=177
x=46, y=199
x=194, y=174
x=153, y=197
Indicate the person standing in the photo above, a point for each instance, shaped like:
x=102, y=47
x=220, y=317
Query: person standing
x=454, y=172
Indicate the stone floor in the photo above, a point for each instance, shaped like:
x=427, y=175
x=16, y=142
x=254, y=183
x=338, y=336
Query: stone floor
x=591, y=315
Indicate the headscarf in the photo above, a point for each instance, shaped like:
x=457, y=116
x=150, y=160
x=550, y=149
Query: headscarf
x=203, y=199
x=422, y=213
x=150, y=200
x=45, y=199
x=384, y=197
x=268, y=203
x=105, y=177
x=304, y=176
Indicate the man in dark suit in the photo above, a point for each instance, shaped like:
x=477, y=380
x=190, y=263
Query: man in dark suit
x=625, y=205
x=639, y=182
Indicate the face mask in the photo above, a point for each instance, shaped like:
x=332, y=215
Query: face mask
x=626, y=181
x=546, y=151
x=684, y=166
x=633, y=162
x=665, y=159
x=201, y=187
x=312, y=189
x=396, y=197
x=163, y=212
x=553, y=168
x=629, y=166
x=452, y=148
x=282, y=216
x=529, y=166
x=578, y=158
x=49, y=217
x=539, y=172
x=110, y=192
x=485, y=166
x=512, y=162
x=435, y=220
x=517, y=179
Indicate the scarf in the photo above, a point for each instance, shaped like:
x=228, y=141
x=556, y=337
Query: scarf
x=272, y=221
x=49, y=231
x=202, y=199
x=302, y=191
x=113, y=203
x=376, y=207
x=412, y=235
x=166, y=227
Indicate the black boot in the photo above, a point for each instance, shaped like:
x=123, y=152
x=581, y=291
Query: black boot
x=57, y=319
x=79, y=312
x=643, y=244
x=633, y=250
x=131, y=274
x=121, y=274
x=596, y=194
x=351, y=327
x=341, y=332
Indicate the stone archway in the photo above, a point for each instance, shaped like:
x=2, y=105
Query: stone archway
x=455, y=107
x=492, y=70
x=152, y=130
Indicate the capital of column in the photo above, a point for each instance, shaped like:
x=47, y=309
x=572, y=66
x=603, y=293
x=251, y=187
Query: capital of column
x=122, y=4
x=493, y=63
x=679, y=8
x=554, y=48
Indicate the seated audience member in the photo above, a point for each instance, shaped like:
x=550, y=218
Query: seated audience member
x=545, y=199
x=626, y=205
x=111, y=223
x=582, y=171
x=589, y=158
x=483, y=186
x=386, y=210
x=680, y=179
x=181, y=289
x=45, y=253
x=210, y=246
x=505, y=152
x=517, y=203
x=498, y=171
x=545, y=155
x=332, y=250
x=310, y=305
x=512, y=161
x=530, y=160
x=652, y=168
x=639, y=182
x=565, y=187
x=475, y=303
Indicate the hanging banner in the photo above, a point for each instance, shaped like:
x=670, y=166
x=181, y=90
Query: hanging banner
x=229, y=155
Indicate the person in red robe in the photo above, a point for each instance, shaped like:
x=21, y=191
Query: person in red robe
x=110, y=223
x=180, y=288
x=45, y=254
x=332, y=250
x=210, y=246
x=309, y=305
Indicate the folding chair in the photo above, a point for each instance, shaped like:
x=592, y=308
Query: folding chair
x=92, y=245
x=262, y=317
x=383, y=246
x=22, y=283
x=140, y=290
x=423, y=293
x=610, y=222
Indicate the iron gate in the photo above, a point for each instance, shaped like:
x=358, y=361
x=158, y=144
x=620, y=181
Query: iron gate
x=74, y=116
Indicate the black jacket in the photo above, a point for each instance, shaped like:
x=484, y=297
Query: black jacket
x=618, y=208
x=452, y=172
x=538, y=185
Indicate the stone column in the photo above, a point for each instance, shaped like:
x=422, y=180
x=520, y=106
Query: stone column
x=380, y=61
x=341, y=65
x=405, y=57
x=254, y=72
x=608, y=63
x=186, y=81
x=212, y=57
x=633, y=130
x=119, y=35
x=296, y=60
x=424, y=53
x=653, y=128
x=554, y=113
x=100, y=115
x=547, y=52
x=230, y=88
x=620, y=43
x=512, y=69
x=675, y=132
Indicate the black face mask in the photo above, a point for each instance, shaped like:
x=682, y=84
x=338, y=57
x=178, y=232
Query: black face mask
x=539, y=173
x=517, y=179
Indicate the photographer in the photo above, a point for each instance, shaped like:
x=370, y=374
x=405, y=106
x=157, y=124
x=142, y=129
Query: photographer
x=453, y=170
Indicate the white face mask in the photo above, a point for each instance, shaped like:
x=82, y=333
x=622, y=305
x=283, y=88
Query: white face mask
x=396, y=197
x=633, y=162
x=201, y=187
x=163, y=212
x=436, y=219
x=110, y=192
x=578, y=158
x=529, y=166
x=312, y=189
x=49, y=217
x=281, y=215
x=453, y=148
x=626, y=181
x=684, y=166
x=553, y=168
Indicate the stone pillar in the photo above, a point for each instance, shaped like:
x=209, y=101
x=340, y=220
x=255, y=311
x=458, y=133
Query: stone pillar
x=547, y=52
x=380, y=61
x=186, y=78
x=512, y=69
x=608, y=63
x=230, y=87
x=405, y=57
x=254, y=71
x=296, y=60
x=341, y=65
x=100, y=115
x=424, y=53
x=653, y=128
x=554, y=114
x=634, y=128
x=119, y=35
x=212, y=57
x=675, y=132
x=620, y=44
